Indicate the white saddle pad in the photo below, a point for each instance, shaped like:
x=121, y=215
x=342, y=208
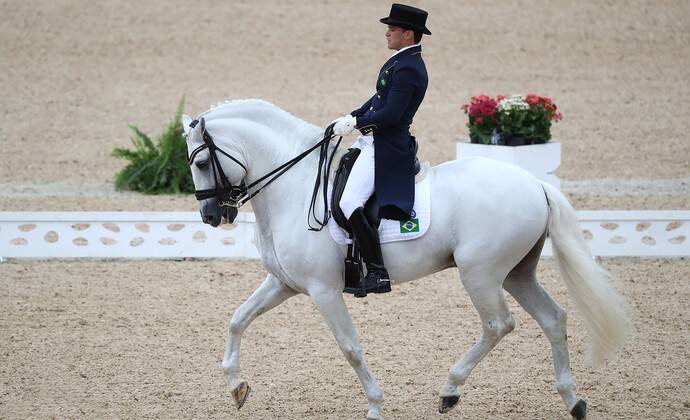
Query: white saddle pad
x=395, y=230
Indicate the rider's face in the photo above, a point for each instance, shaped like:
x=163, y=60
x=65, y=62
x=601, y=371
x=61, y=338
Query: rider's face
x=398, y=37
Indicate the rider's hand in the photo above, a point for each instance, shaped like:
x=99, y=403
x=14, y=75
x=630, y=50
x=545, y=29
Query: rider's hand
x=344, y=125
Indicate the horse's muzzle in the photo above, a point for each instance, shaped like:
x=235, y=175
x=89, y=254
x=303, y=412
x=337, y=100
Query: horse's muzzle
x=229, y=214
x=212, y=214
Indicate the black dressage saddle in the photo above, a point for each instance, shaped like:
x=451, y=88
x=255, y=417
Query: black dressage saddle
x=354, y=273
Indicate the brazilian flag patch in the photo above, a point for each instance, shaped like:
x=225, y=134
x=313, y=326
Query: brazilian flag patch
x=409, y=226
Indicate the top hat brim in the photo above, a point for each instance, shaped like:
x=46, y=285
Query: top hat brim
x=406, y=25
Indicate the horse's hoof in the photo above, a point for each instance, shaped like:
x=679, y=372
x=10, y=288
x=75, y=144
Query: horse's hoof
x=240, y=394
x=374, y=415
x=447, y=403
x=579, y=411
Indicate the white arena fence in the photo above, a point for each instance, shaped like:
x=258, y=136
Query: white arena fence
x=123, y=235
x=181, y=234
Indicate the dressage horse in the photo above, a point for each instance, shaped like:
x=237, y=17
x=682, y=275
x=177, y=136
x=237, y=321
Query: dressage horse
x=488, y=219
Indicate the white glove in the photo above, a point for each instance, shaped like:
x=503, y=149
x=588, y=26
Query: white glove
x=344, y=125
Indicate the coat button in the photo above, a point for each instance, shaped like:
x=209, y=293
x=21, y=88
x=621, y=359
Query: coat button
x=371, y=108
x=378, y=96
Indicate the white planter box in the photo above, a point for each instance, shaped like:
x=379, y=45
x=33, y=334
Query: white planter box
x=541, y=160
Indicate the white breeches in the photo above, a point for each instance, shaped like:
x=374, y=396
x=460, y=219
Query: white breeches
x=360, y=184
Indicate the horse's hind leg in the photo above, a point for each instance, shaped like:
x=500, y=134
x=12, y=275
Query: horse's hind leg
x=270, y=294
x=487, y=296
x=522, y=284
x=332, y=306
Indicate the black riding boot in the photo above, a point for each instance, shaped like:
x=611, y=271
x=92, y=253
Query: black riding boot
x=376, y=280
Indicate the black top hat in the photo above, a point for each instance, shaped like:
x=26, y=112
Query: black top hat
x=407, y=17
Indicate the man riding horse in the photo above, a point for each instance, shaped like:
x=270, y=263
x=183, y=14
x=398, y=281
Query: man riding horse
x=494, y=242
x=385, y=165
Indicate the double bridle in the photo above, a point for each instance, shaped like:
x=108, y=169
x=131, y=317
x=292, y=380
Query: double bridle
x=235, y=196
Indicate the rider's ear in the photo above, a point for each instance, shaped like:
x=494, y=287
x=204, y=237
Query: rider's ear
x=186, y=120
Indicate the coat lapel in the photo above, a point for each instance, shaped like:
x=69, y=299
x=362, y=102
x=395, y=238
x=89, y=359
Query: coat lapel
x=417, y=49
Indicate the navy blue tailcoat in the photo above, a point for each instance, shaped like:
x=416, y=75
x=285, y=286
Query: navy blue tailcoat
x=400, y=89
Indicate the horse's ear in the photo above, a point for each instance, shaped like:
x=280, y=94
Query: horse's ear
x=186, y=120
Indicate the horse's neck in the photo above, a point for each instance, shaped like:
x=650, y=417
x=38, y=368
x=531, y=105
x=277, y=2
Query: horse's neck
x=265, y=150
x=268, y=137
x=287, y=199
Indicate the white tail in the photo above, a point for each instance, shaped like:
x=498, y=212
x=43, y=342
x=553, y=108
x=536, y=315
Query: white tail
x=603, y=309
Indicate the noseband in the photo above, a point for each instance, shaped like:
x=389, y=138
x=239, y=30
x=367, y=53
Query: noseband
x=229, y=195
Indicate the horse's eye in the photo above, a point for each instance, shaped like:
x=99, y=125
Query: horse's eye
x=201, y=163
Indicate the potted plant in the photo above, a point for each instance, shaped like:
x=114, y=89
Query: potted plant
x=523, y=121
x=511, y=121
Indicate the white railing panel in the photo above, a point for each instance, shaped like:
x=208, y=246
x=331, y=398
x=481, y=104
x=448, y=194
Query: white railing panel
x=123, y=235
x=182, y=234
x=635, y=233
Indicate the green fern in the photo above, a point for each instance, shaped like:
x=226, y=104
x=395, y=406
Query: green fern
x=156, y=168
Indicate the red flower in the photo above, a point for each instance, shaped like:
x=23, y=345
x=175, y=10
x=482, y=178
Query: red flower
x=532, y=99
x=482, y=105
x=479, y=120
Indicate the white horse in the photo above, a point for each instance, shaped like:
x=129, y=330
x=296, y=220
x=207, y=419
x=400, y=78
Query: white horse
x=489, y=219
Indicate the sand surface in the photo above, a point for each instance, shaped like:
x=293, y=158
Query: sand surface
x=113, y=339
x=144, y=339
x=73, y=75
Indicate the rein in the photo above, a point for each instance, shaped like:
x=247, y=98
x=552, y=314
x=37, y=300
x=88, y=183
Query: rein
x=236, y=196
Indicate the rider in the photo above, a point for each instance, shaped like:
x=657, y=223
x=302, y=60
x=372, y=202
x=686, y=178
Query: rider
x=386, y=162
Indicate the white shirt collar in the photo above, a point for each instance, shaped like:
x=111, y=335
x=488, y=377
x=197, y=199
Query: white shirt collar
x=406, y=48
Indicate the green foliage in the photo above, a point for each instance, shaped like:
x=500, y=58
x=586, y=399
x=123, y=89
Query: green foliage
x=481, y=132
x=532, y=123
x=156, y=168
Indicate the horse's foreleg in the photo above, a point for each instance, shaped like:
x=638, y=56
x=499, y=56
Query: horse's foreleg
x=332, y=306
x=270, y=294
x=552, y=320
x=487, y=296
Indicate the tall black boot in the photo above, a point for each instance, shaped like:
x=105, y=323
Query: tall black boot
x=376, y=280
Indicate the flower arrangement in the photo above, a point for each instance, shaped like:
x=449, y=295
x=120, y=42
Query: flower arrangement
x=514, y=120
